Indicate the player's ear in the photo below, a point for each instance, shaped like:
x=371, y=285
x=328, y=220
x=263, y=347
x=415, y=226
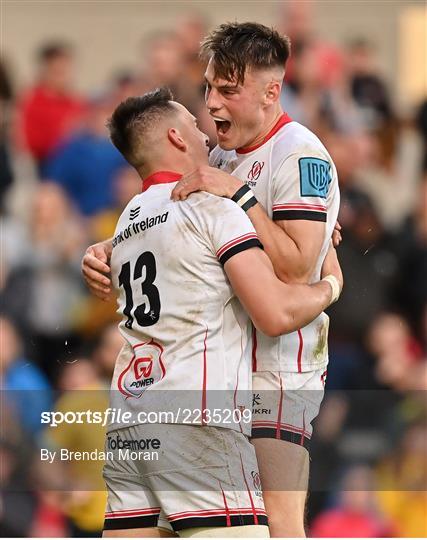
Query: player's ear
x=272, y=92
x=176, y=139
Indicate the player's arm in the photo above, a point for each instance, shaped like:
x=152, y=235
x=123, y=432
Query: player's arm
x=292, y=244
x=299, y=188
x=96, y=268
x=275, y=307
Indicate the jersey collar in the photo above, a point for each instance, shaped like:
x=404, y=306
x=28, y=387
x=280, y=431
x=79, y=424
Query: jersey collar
x=283, y=120
x=160, y=177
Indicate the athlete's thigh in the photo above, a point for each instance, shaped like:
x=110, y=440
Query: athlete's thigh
x=285, y=404
x=283, y=466
x=241, y=531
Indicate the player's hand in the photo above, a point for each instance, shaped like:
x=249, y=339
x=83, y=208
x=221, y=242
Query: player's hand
x=96, y=269
x=209, y=179
x=332, y=266
x=336, y=235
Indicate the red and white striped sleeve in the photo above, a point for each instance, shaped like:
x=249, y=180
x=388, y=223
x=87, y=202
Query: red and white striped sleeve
x=231, y=230
x=236, y=245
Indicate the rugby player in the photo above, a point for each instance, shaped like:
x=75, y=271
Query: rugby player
x=262, y=151
x=295, y=182
x=177, y=267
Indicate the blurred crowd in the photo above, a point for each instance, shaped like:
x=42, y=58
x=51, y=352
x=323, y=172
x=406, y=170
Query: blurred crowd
x=63, y=186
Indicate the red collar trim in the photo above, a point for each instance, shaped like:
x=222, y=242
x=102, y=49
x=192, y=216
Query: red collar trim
x=283, y=120
x=160, y=177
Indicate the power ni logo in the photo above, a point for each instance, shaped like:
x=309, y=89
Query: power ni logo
x=145, y=368
x=255, y=171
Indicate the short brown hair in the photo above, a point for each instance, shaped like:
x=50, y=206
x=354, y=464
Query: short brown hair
x=234, y=47
x=134, y=117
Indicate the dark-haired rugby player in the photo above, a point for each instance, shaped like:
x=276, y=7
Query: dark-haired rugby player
x=262, y=153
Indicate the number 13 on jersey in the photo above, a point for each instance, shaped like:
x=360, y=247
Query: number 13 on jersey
x=144, y=315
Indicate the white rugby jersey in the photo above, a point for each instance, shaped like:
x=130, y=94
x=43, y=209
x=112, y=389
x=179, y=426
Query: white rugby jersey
x=187, y=331
x=293, y=177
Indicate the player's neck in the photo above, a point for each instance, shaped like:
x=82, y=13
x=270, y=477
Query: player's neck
x=179, y=166
x=271, y=119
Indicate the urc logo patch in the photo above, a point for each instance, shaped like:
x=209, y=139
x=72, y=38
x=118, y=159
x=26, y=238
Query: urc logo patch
x=315, y=177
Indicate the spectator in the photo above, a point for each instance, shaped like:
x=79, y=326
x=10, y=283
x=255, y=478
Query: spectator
x=321, y=107
x=303, y=97
x=421, y=124
x=163, y=56
x=106, y=352
x=126, y=184
x=124, y=84
x=6, y=99
x=355, y=515
x=86, y=163
x=190, y=87
x=49, y=520
x=82, y=390
x=191, y=29
x=402, y=478
x=45, y=291
x=50, y=496
x=50, y=109
x=324, y=450
x=14, y=245
x=17, y=502
x=370, y=264
x=297, y=20
x=97, y=314
x=27, y=388
x=411, y=245
x=190, y=32
x=366, y=83
x=400, y=364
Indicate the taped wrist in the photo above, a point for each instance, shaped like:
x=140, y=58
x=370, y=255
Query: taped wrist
x=335, y=286
x=244, y=197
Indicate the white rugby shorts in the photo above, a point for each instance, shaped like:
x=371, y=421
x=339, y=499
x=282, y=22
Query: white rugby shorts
x=202, y=477
x=285, y=404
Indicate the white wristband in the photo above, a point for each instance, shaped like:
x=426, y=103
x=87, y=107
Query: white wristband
x=335, y=286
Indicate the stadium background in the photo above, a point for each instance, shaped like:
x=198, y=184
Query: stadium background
x=358, y=79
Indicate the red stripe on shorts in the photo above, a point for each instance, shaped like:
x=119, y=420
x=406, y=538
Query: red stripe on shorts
x=227, y=512
x=249, y=492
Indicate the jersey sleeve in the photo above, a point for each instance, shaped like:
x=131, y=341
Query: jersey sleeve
x=300, y=188
x=229, y=229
